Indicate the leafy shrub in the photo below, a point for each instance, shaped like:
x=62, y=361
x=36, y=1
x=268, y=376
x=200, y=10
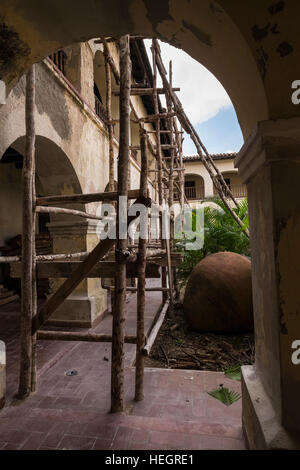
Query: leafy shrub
x=221, y=233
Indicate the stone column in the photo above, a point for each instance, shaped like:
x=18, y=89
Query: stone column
x=269, y=163
x=208, y=187
x=87, y=305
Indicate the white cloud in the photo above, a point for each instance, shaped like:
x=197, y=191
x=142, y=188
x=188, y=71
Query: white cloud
x=202, y=95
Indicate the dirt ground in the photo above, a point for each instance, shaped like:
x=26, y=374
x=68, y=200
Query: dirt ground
x=177, y=347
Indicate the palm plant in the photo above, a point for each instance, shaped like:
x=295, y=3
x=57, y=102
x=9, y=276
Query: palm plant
x=221, y=233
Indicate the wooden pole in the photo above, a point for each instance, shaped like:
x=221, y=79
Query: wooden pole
x=110, y=59
x=117, y=363
x=34, y=286
x=170, y=242
x=206, y=159
x=155, y=330
x=140, y=329
x=25, y=377
x=109, y=115
x=159, y=159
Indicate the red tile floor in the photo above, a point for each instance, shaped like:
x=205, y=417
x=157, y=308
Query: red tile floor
x=72, y=412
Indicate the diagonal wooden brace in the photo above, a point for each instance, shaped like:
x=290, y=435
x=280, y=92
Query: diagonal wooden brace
x=77, y=276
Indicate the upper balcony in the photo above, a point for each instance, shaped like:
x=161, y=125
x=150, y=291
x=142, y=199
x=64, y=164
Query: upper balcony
x=193, y=193
x=60, y=60
x=238, y=190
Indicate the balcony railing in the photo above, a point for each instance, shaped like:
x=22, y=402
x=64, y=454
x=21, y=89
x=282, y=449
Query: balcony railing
x=100, y=110
x=238, y=190
x=194, y=193
x=59, y=58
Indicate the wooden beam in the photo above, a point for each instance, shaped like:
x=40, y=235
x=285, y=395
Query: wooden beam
x=65, y=256
x=102, y=269
x=145, y=91
x=83, y=198
x=156, y=117
x=79, y=336
x=147, y=289
x=59, y=210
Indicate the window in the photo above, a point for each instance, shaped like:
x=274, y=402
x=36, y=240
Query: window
x=190, y=184
x=190, y=189
x=59, y=58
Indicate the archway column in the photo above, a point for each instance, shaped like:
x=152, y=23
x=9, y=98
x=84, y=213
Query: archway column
x=269, y=163
x=208, y=188
x=87, y=305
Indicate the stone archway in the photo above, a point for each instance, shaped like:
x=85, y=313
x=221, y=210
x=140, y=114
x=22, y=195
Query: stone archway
x=203, y=29
x=251, y=48
x=194, y=186
x=56, y=175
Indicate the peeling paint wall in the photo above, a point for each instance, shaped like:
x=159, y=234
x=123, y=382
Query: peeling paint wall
x=71, y=157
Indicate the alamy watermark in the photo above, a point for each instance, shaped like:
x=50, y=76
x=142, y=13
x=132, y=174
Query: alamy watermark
x=2, y=92
x=296, y=353
x=152, y=223
x=2, y=353
x=296, y=93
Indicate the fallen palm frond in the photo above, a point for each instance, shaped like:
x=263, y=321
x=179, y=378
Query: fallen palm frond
x=224, y=395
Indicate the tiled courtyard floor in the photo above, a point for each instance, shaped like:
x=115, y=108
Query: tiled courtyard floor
x=72, y=412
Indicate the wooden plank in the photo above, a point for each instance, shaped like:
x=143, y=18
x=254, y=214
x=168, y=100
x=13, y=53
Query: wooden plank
x=103, y=269
x=83, y=198
x=79, y=336
x=155, y=330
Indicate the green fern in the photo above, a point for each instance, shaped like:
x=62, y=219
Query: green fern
x=224, y=395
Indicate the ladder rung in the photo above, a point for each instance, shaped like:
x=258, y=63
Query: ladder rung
x=84, y=198
x=59, y=210
x=79, y=336
x=145, y=91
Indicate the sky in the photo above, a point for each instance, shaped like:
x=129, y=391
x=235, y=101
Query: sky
x=205, y=102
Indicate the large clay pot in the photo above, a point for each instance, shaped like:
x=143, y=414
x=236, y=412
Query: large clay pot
x=218, y=295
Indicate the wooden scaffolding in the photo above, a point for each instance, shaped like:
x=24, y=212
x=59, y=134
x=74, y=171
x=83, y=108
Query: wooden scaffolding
x=140, y=261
